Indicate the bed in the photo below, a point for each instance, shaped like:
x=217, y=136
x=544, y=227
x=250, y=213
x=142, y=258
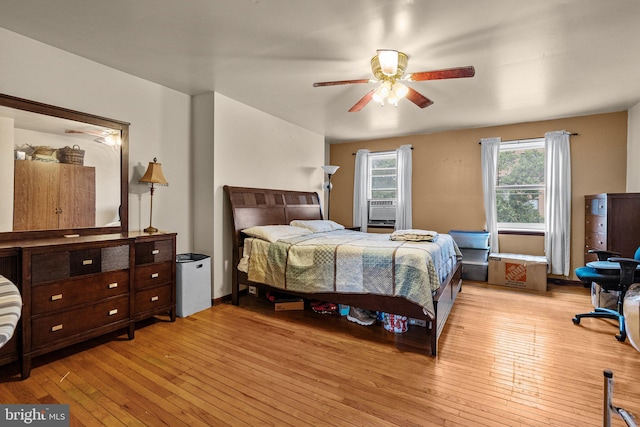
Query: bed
x=425, y=293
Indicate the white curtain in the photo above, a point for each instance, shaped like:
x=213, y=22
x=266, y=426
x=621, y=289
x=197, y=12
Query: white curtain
x=403, y=207
x=490, y=152
x=360, y=179
x=557, y=216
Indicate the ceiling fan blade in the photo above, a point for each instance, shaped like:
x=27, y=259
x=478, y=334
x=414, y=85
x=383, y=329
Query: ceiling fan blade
x=88, y=132
x=341, y=82
x=418, y=99
x=449, y=73
x=363, y=101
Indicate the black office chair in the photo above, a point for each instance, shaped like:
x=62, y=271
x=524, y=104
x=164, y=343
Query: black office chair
x=616, y=280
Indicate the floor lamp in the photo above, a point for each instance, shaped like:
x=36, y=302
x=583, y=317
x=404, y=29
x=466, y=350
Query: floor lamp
x=153, y=176
x=329, y=170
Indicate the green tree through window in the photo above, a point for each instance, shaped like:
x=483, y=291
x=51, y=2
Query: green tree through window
x=520, y=185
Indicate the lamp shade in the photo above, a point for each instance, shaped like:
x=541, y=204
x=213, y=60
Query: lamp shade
x=154, y=174
x=330, y=170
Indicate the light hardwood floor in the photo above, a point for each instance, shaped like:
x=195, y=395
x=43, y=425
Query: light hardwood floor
x=506, y=358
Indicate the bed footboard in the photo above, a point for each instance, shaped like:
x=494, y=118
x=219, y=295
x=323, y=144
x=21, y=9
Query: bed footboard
x=443, y=302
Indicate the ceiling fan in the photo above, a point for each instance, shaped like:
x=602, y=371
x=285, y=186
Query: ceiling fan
x=388, y=68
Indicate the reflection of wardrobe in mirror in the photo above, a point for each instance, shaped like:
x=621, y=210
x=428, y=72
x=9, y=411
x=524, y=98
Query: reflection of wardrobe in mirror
x=53, y=195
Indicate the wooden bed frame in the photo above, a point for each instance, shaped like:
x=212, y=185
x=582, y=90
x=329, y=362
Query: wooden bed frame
x=259, y=206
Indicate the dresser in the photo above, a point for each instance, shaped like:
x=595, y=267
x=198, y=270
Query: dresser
x=612, y=223
x=78, y=288
x=155, y=275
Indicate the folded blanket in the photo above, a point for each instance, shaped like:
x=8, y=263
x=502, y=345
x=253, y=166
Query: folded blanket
x=414, y=235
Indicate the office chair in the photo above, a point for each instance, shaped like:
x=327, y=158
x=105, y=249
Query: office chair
x=616, y=280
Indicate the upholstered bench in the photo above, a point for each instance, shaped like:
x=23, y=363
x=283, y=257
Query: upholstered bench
x=10, y=309
x=631, y=310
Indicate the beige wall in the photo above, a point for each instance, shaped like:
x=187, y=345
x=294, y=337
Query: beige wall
x=633, y=150
x=447, y=186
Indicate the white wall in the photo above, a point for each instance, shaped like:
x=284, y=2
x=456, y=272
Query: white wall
x=249, y=149
x=159, y=117
x=633, y=150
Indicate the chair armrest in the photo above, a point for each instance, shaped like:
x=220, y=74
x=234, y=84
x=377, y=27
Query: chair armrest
x=622, y=260
x=628, y=268
x=602, y=254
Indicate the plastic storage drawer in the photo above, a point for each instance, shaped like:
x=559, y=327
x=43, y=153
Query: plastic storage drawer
x=475, y=255
x=475, y=271
x=470, y=239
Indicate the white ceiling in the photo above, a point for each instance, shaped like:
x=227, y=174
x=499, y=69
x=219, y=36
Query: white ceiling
x=534, y=59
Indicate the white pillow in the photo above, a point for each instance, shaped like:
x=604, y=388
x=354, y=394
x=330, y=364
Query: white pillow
x=317, y=225
x=273, y=233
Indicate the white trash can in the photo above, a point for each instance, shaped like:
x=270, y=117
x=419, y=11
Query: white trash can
x=193, y=283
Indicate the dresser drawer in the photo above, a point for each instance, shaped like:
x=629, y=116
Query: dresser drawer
x=50, y=266
x=47, y=329
x=66, y=294
x=156, y=251
x=152, y=298
x=115, y=258
x=153, y=275
x=596, y=206
x=595, y=224
x=85, y=261
x=595, y=241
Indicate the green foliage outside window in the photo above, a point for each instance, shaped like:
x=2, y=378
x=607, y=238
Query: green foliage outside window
x=520, y=186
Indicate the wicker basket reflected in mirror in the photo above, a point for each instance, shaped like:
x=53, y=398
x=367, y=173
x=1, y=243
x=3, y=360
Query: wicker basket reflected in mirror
x=72, y=156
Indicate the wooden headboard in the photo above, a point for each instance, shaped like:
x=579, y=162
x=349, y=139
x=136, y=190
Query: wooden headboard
x=264, y=206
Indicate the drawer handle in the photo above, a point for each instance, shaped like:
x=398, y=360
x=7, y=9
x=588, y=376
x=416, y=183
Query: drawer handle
x=56, y=297
x=155, y=298
x=154, y=275
x=112, y=312
x=113, y=285
x=56, y=328
x=87, y=261
x=155, y=252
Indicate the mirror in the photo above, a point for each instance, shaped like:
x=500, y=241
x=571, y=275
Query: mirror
x=61, y=171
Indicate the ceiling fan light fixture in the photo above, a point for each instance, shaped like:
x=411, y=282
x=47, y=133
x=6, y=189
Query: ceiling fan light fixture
x=382, y=92
x=399, y=90
x=389, y=64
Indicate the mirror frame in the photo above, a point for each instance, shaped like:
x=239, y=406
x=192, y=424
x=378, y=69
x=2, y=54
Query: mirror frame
x=64, y=113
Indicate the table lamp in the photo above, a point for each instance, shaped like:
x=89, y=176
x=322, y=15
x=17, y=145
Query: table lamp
x=153, y=176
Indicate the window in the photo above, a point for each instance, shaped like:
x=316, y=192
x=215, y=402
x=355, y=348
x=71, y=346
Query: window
x=382, y=176
x=382, y=188
x=520, y=185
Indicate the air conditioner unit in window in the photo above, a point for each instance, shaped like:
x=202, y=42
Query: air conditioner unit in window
x=382, y=212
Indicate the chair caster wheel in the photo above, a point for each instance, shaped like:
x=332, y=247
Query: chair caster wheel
x=576, y=320
x=621, y=338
